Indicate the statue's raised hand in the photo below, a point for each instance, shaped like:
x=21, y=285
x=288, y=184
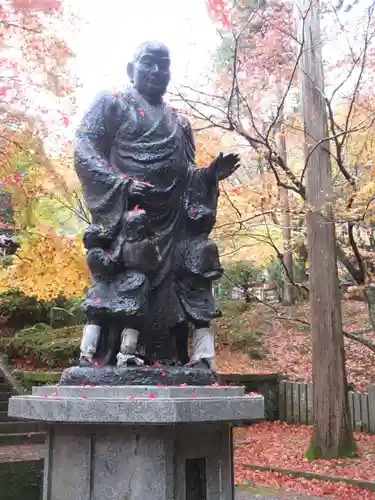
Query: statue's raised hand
x=225, y=165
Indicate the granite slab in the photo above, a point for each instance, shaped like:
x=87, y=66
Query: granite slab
x=139, y=391
x=136, y=405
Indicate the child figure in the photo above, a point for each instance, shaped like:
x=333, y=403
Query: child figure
x=120, y=283
x=198, y=265
x=139, y=255
x=197, y=257
x=97, y=243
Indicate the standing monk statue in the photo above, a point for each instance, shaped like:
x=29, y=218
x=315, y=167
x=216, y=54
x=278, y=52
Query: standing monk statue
x=152, y=210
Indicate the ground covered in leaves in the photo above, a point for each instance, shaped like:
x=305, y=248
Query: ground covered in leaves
x=16, y=453
x=259, y=339
x=283, y=445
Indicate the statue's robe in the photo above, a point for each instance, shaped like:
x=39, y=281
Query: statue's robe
x=122, y=137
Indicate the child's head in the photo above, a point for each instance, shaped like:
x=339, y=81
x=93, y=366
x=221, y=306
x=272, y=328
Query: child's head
x=136, y=225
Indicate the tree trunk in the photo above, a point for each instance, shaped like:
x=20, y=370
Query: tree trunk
x=332, y=433
x=289, y=294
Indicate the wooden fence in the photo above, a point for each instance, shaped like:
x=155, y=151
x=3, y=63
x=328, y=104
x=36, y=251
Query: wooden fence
x=295, y=405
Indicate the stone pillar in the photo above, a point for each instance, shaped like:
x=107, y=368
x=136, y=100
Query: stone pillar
x=138, y=442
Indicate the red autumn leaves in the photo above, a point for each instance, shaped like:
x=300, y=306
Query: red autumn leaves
x=219, y=9
x=288, y=345
x=269, y=33
x=17, y=453
x=37, y=5
x=282, y=445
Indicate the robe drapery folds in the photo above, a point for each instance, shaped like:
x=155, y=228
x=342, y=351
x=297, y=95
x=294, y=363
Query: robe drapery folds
x=122, y=138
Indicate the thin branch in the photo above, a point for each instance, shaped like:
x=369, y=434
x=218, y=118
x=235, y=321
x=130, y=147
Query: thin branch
x=14, y=25
x=364, y=58
x=294, y=71
x=360, y=339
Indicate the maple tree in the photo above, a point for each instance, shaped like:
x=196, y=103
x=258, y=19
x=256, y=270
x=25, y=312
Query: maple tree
x=246, y=120
x=246, y=201
x=251, y=106
x=36, y=84
x=42, y=205
x=36, y=98
x=36, y=81
x=48, y=265
x=258, y=39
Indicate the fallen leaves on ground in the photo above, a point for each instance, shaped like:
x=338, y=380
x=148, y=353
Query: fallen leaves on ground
x=283, y=445
x=15, y=453
x=287, y=344
x=337, y=491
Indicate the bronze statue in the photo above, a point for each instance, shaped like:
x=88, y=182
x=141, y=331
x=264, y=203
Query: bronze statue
x=152, y=209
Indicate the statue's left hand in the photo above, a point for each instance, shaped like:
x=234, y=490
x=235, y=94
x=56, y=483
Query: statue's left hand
x=225, y=165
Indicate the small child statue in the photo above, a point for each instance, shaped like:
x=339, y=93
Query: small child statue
x=197, y=257
x=120, y=273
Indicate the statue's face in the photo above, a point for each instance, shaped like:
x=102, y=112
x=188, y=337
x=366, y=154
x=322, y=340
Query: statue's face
x=150, y=71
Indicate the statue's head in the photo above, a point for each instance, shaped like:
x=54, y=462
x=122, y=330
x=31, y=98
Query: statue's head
x=149, y=71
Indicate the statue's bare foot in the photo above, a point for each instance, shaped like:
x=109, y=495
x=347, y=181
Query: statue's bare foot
x=128, y=360
x=200, y=364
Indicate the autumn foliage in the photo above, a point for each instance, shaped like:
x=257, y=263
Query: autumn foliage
x=34, y=64
x=36, y=98
x=48, y=266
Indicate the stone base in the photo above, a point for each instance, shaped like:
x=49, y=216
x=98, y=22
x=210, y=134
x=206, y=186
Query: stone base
x=145, y=375
x=153, y=463
x=138, y=443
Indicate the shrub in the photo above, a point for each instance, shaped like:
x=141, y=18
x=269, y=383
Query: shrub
x=41, y=346
x=276, y=276
x=248, y=341
x=68, y=313
x=242, y=273
x=18, y=310
x=237, y=330
x=21, y=479
x=29, y=380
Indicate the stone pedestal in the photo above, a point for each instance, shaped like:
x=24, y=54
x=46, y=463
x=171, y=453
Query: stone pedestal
x=138, y=442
